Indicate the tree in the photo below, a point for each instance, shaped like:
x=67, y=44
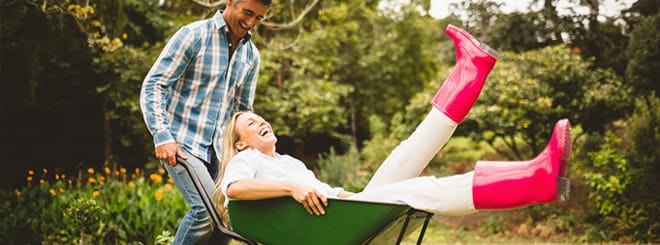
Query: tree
x=374, y=60
x=527, y=93
x=643, y=70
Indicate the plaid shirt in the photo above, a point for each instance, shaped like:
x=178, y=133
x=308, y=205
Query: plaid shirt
x=194, y=87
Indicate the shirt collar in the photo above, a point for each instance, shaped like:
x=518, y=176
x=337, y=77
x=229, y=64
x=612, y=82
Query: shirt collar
x=221, y=25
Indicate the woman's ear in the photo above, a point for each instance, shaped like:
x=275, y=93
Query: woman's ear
x=241, y=145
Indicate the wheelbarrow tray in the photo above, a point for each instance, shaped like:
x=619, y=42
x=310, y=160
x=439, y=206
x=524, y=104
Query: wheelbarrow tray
x=285, y=221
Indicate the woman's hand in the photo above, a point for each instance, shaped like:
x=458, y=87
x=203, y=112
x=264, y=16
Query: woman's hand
x=345, y=194
x=311, y=199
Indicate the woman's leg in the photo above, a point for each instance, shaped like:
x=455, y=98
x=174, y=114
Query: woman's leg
x=412, y=155
x=450, y=195
x=491, y=186
x=451, y=103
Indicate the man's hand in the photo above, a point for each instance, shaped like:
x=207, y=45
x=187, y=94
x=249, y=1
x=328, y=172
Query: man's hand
x=313, y=201
x=168, y=153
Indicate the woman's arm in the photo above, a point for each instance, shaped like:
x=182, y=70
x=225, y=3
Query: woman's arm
x=255, y=189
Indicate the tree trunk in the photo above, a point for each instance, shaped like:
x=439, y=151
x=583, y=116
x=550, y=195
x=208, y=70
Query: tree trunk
x=107, y=135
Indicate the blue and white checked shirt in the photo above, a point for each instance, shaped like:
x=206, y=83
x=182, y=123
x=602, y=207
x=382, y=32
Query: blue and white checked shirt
x=194, y=87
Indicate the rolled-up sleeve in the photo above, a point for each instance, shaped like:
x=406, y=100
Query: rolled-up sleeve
x=167, y=69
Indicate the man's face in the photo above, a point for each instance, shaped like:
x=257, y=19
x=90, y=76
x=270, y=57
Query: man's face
x=242, y=16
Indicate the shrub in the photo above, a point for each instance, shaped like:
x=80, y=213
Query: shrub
x=112, y=207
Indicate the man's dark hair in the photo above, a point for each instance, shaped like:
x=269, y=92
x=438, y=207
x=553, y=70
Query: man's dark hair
x=264, y=2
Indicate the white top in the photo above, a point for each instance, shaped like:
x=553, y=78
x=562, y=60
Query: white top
x=252, y=164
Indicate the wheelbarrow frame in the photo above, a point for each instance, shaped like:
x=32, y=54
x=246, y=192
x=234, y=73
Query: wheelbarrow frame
x=410, y=215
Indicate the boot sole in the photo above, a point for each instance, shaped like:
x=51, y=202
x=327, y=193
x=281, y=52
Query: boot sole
x=566, y=148
x=563, y=189
x=484, y=47
x=563, y=183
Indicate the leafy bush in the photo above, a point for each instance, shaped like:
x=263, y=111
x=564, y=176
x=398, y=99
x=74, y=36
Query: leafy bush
x=112, y=207
x=621, y=187
x=343, y=170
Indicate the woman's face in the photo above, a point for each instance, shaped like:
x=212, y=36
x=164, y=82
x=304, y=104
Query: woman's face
x=255, y=132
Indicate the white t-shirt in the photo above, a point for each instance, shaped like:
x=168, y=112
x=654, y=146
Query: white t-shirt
x=252, y=164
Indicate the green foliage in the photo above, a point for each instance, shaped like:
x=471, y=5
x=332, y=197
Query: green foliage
x=493, y=225
x=111, y=208
x=642, y=220
x=527, y=93
x=610, y=177
x=342, y=170
x=644, y=51
x=621, y=188
x=365, y=62
x=85, y=214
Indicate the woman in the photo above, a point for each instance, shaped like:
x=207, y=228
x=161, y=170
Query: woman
x=251, y=169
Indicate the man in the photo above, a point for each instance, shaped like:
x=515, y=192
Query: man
x=207, y=70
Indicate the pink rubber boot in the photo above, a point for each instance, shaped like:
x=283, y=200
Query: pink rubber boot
x=505, y=185
x=474, y=60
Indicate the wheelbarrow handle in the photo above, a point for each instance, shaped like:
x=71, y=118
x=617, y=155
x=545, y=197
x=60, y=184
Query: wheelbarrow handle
x=208, y=203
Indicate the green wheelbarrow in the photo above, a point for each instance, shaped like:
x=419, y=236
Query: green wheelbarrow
x=284, y=221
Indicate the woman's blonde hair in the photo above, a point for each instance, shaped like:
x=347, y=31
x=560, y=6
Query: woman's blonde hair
x=229, y=150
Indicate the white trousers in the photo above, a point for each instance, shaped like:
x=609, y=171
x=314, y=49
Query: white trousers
x=450, y=195
x=397, y=179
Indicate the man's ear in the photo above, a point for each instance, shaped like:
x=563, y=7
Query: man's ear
x=241, y=145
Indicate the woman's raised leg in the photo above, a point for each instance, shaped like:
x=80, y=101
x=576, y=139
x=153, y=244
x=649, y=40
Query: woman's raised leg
x=452, y=102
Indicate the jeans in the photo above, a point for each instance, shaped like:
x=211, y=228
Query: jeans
x=196, y=226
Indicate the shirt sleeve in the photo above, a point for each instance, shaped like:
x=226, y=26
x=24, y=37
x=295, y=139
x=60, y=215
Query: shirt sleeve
x=237, y=169
x=167, y=69
x=245, y=96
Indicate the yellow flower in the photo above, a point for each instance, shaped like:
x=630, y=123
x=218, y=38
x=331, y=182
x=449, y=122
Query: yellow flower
x=41, y=181
x=18, y=193
x=133, y=176
x=168, y=187
x=96, y=23
x=52, y=192
x=170, y=180
x=57, y=176
x=159, y=195
x=117, y=173
x=63, y=176
x=156, y=178
x=124, y=36
x=131, y=184
x=29, y=178
x=70, y=182
x=61, y=189
x=137, y=171
x=45, y=170
x=107, y=170
x=30, y=172
x=161, y=171
x=92, y=180
x=90, y=170
x=96, y=193
x=101, y=178
x=122, y=170
x=116, y=41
